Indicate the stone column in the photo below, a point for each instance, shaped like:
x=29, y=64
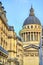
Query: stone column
x=38, y=36
x=30, y=36
x=25, y=36
x=33, y=36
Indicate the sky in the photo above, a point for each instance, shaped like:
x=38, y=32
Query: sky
x=18, y=11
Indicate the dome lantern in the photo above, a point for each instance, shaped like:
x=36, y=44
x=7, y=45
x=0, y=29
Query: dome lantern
x=31, y=11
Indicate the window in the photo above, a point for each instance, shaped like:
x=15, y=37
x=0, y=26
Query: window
x=28, y=26
x=31, y=26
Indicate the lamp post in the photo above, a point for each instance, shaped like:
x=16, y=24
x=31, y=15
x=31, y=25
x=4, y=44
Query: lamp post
x=40, y=50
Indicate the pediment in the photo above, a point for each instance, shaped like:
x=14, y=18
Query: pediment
x=31, y=46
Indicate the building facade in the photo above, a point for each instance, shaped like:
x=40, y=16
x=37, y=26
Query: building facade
x=10, y=44
x=19, y=50
x=15, y=48
x=3, y=36
x=30, y=34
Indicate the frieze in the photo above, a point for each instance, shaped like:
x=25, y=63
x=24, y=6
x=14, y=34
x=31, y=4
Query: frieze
x=31, y=54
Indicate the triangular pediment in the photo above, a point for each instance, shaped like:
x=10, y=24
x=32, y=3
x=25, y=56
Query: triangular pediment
x=31, y=46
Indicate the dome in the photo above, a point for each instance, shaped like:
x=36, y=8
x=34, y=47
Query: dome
x=31, y=19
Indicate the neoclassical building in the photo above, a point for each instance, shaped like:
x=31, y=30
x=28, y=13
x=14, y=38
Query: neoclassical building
x=31, y=35
x=23, y=50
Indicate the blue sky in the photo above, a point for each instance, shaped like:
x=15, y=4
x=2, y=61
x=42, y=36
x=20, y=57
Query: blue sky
x=18, y=11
